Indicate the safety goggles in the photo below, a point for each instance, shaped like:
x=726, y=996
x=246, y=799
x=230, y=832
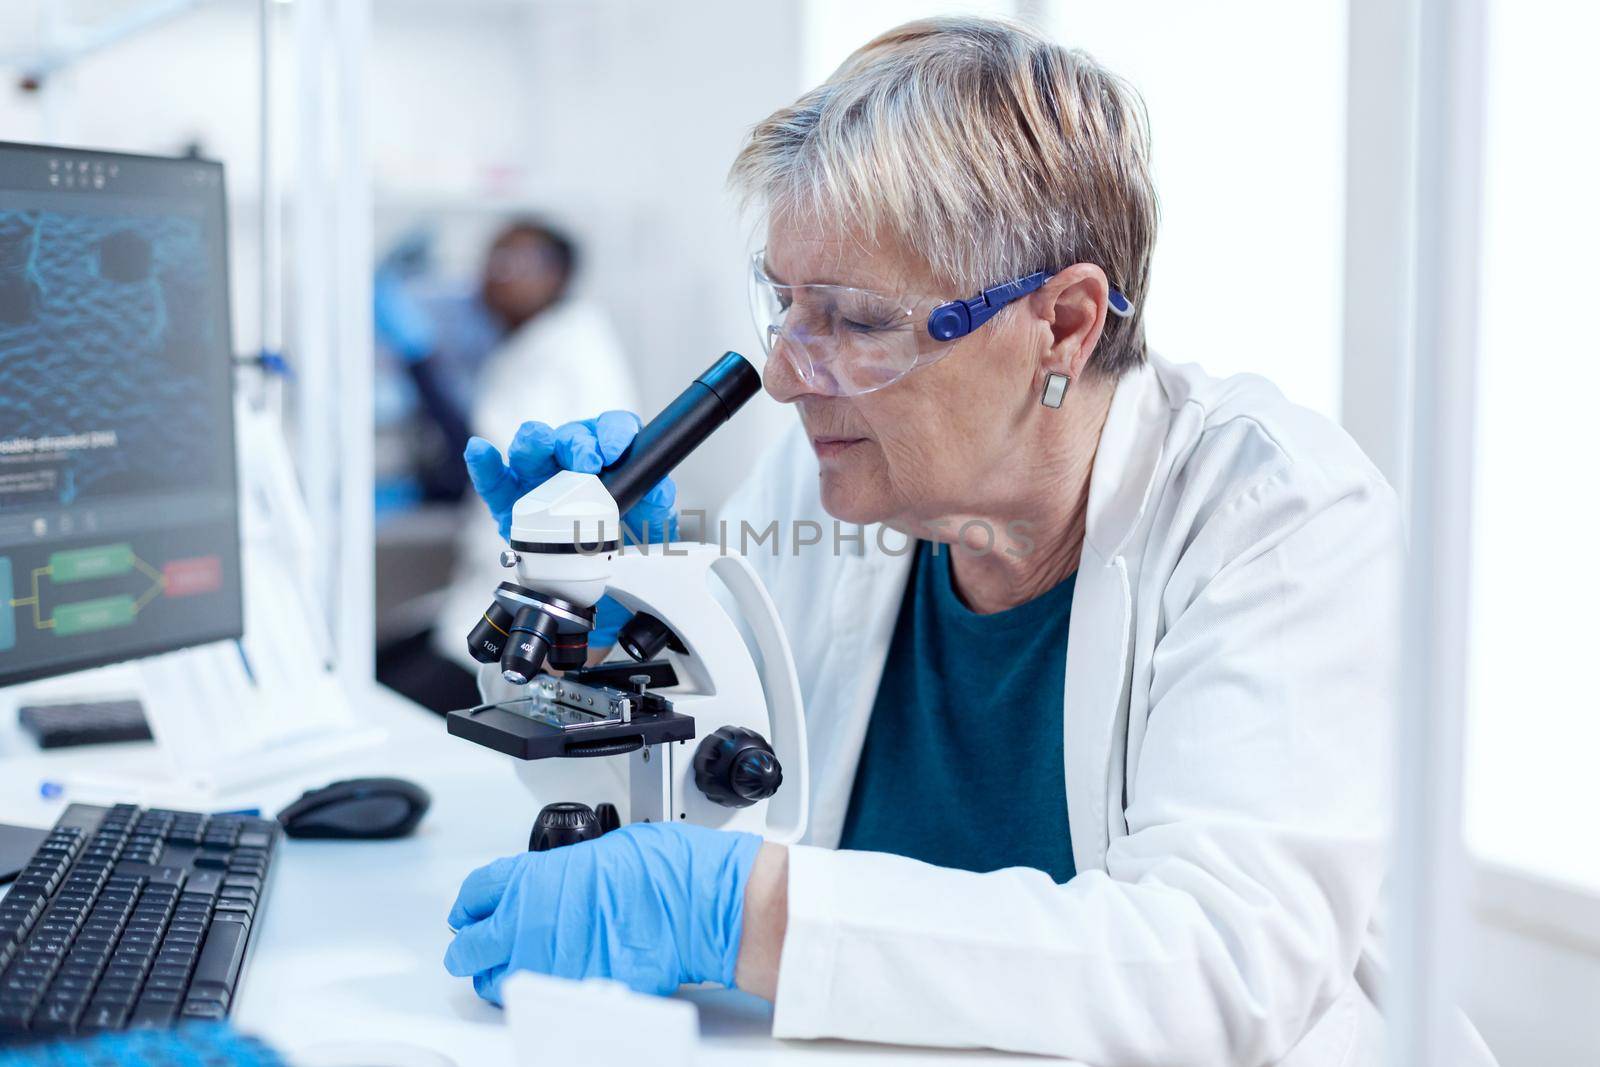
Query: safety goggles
x=845, y=341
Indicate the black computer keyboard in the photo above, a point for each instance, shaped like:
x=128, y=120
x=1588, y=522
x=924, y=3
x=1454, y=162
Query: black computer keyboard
x=130, y=919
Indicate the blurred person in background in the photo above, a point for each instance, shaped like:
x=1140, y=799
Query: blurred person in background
x=557, y=357
x=437, y=333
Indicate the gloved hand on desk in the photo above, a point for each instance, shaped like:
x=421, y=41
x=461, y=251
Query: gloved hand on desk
x=652, y=905
x=587, y=446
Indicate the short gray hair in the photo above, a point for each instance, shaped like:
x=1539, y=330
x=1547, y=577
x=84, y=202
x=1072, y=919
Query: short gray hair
x=982, y=146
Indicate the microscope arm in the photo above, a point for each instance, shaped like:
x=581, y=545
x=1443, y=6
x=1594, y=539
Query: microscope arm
x=754, y=685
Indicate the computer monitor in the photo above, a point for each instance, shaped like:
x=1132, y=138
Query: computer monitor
x=119, y=510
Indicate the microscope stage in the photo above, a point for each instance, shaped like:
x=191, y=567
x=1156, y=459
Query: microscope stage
x=561, y=718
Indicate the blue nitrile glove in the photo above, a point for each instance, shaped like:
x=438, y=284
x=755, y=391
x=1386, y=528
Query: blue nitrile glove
x=402, y=323
x=588, y=446
x=653, y=905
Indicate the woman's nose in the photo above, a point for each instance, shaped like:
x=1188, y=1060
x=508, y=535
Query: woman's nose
x=781, y=378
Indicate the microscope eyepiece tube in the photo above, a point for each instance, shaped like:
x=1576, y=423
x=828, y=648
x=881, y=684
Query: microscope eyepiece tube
x=682, y=425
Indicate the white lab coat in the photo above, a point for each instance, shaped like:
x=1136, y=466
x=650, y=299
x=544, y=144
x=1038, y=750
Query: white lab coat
x=1228, y=707
x=562, y=365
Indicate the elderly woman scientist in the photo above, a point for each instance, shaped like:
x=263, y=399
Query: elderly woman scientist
x=1099, y=704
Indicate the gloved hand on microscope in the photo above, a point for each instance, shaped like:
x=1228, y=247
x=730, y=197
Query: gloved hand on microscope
x=653, y=905
x=587, y=446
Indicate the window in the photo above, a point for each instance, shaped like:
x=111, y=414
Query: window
x=1534, y=714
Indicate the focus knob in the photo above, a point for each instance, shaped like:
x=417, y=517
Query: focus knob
x=563, y=823
x=736, y=767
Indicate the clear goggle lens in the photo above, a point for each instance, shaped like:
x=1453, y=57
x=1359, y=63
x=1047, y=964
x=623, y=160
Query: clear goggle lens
x=840, y=340
x=843, y=341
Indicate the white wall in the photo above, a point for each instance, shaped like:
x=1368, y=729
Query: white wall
x=452, y=109
x=832, y=29
x=1246, y=103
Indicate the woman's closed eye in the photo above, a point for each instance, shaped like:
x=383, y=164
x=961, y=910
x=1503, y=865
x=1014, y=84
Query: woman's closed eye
x=867, y=317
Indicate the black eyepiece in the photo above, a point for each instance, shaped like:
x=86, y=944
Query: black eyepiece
x=644, y=636
x=710, y=401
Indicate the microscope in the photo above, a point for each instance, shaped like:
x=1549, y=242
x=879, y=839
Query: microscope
x=706, y=707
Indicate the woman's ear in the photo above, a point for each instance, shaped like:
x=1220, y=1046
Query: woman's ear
x=1073, y=304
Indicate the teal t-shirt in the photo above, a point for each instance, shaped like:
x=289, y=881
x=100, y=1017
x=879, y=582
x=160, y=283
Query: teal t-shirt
x=962, y=765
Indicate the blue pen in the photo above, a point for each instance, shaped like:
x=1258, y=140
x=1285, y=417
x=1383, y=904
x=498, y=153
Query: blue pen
x=51, y=790
x=254, y=812
x=249, y=671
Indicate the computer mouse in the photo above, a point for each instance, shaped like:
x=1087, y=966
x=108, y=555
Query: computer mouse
x=357, y=809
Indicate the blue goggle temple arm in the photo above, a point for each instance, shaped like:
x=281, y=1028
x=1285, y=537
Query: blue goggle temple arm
x=957, y=318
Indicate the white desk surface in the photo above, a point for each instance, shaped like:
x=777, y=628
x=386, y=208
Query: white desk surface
x=354, y=933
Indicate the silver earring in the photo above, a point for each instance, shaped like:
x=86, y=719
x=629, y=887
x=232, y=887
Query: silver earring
x=1055, y=389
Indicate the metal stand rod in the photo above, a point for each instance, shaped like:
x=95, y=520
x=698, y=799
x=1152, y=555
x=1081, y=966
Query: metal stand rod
x=1429, y=884
x=1379, y=233
x=270, y=309
x=353, y=329
x=316, y=373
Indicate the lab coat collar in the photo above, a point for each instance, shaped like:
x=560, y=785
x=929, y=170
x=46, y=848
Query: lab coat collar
x=1126, y=460
x=1099, y=638
x=866, y=595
